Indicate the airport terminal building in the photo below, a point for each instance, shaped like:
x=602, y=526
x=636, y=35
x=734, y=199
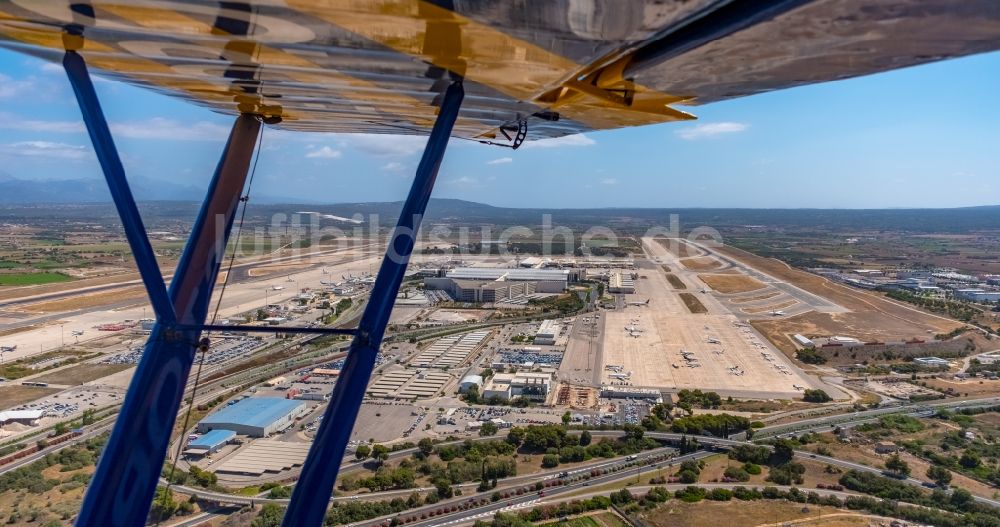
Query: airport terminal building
x=255, y=416
x=490, y=285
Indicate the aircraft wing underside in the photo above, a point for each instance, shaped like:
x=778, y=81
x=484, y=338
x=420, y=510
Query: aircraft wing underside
x=547, y=68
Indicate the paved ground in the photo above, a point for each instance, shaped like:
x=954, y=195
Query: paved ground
x=581, y=362
x=648, y=341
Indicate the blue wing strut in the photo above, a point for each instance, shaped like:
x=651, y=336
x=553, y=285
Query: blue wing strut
x=121, y=491
x=312, y=493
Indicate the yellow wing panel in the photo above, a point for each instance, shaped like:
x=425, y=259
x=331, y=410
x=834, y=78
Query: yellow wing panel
x=561, y=66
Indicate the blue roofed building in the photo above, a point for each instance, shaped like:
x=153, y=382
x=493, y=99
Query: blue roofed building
x=255, y=416
x=210, y=442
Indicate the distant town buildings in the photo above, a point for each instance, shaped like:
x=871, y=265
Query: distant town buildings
x=938, y=283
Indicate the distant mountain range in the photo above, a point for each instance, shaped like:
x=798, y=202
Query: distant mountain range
x=24, y=191
x=170, y=202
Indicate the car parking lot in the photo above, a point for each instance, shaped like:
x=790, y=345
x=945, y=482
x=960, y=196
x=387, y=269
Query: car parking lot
x=224, y=350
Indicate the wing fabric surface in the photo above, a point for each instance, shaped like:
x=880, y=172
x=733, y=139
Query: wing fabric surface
x=560, y=66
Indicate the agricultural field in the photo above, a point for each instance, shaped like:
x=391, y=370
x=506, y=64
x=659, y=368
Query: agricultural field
x=37, y=278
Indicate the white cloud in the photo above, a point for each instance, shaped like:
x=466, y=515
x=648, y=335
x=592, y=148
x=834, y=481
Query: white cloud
x=609, y=181
x=46, y=149
x=566, y=140
x=155, y=128
x=161, y=128
x=501, y=161
x=464, y=180
x=393, y=166
x=384, y=145
x=706, y=130
x=13, y=122
x=12, y=88
x=324, y=153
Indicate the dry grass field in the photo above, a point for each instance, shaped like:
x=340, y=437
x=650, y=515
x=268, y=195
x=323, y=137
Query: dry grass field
x=703, y=263
x=677, y=247
x=765, y=296
x=692, y=303
x=872, y=306
x=675, y=282
x=268, y=270
x=82, y=373
x=972, y=388
x=749, y=514
x=84, y=301
x=766, y=309
x=731, y=283
x=16, y=395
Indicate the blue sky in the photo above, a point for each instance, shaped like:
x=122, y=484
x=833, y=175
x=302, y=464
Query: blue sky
x=927, y=136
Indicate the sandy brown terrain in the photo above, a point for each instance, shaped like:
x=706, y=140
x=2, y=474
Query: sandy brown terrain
x=731, y=283
x=769, y=308
x=765, y=296
x=703, y=263
x=878, y=308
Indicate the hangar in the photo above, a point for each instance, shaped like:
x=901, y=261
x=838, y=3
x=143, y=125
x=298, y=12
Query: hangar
x=255, y=416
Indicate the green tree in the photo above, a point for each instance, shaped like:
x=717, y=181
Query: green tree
x=816, y=396
x=516, y=436
x=60, y=429
x=585, y=438
x=488, y=429
x=380, y=453
x=362, y=452
x=939, y=475
x=961, y=498
x=164, y=505
x=566, y=418
x=270, y=516
x=897, y=466
x=969, y=460
x=426, y=446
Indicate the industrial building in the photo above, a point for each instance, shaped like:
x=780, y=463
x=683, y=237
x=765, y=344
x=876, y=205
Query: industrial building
x=255, y=416
x=977, y=295
x=535, y=386
x=804, y=341
x=210, y=443
x=547, y=333
x=493, y=284
x=932, y=361
x=621, y=283
x=24, y=417
x=469, y=381
x=631, y=392
x=992, y=357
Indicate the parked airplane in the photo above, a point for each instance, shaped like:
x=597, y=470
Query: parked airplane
x=777, y=313
x=646, y=303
